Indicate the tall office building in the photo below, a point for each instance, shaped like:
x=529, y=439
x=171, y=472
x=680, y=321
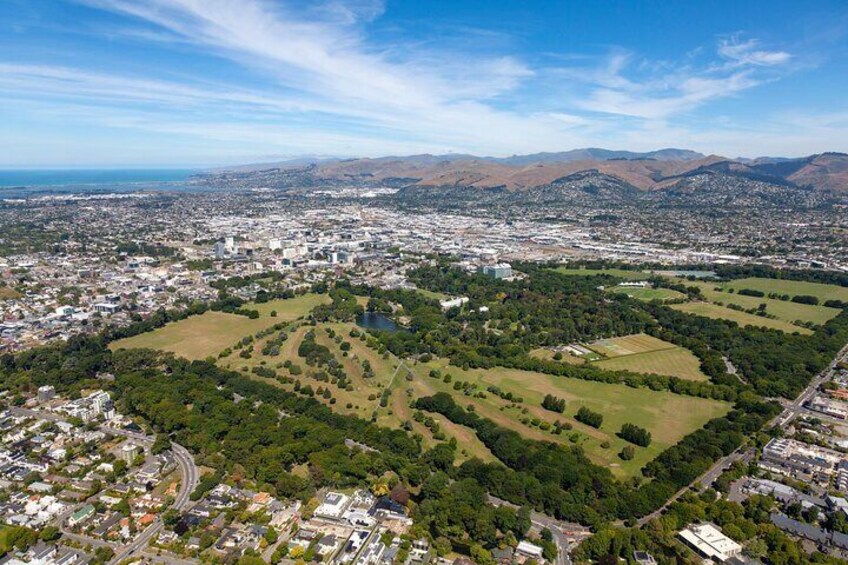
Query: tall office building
x=220, y=250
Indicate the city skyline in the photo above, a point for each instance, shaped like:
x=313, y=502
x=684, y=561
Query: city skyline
x=100, y=83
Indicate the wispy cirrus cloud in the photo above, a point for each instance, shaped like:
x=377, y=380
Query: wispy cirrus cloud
x=320, y=81
x=749, y=53
x=670, y=89
x=330, y=57
x=666, y=98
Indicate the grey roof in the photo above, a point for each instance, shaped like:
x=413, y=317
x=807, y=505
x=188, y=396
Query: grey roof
x=809, y=532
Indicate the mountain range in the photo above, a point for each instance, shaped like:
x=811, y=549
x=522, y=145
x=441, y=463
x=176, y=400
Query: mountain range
x=662, y=170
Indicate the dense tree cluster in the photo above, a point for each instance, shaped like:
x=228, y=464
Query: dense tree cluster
x=751, y=292
x=553, y=403
x=318, y=355
x=773, y=362
x=272, y=345
x=555, y=479
x=766, y=272
x=344, y=307
x=562, y=482
x=589, y=417
x=16, y=537
x=635, y=434
x=546, y=309
x=459, y=511
x=726, y=272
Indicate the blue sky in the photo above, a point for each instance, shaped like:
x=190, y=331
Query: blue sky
x=211, y=82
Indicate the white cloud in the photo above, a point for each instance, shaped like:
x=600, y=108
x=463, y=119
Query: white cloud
x=666, y=96
x=747, y=53
x=323, y=85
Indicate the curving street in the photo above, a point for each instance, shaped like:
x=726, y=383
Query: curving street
x=189, y=477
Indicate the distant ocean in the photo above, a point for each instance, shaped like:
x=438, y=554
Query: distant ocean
x=24, y=178
x=33, y=183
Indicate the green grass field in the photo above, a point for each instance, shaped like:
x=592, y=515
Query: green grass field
x=432, y=295
x=648, y=294
x=197, y=337
x=821, y=291
x=207, y=335
x=673, y=362
x=358, y=398
x=743, y=319
x=784, y=310
x=642, y=353
x=667, y=416
x=364, y=399
x=628, y=345
x=292, y=308
x=621, y=273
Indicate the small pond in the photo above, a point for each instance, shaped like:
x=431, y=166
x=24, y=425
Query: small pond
x=377, y=321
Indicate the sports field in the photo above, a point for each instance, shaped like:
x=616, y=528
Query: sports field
x=210, y=333
x=648, y=294
x=784, y=310
x=621, y=273
x=742, y=318
x=793, y=288
x=628, y=345
x=646, y=354
x=672, y=362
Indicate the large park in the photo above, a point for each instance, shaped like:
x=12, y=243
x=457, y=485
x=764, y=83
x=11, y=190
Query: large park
x=357, y=372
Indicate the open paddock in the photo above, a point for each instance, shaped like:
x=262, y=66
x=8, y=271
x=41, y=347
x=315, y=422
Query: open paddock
x=715, y=311
x=792, y=288
x=199, y=337
x=785, y=310
x=667, y=416
x=620, y=273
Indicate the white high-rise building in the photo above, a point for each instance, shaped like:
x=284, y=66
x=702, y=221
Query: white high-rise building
x=45, y=393
x=100, y=401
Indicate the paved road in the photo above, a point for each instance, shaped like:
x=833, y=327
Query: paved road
x=790, y=411
x=564, y=533
x=189, y=473
x=189, y=477
x=188, y=482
